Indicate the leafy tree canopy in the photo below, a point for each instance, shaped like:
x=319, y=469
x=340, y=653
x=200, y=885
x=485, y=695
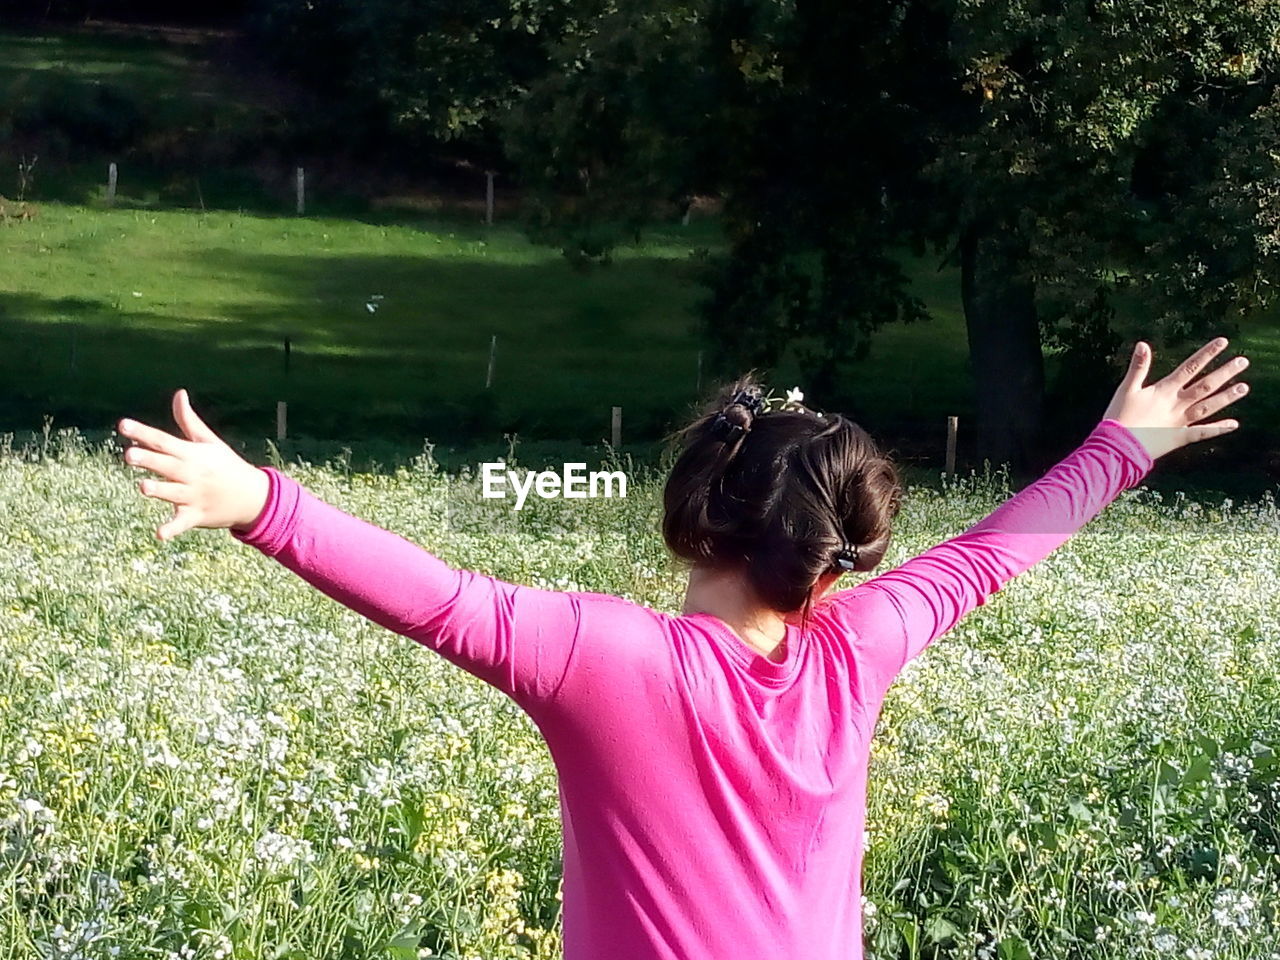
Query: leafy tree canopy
x=1073, y=157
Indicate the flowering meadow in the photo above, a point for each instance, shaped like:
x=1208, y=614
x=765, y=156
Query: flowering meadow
x=202, y=758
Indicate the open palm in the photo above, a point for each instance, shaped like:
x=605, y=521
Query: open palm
x=209, y=484
x=1167, y=414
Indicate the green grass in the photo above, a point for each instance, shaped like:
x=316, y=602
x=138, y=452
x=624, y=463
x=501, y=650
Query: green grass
x=218, y=289
x=190, y=117
x=153, y=300
x=106, y=312
x=197, y=751
x=180, y=80
x=158, y=300
x=141, y=65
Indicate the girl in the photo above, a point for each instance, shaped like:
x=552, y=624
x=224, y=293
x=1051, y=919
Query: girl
x=712, y=764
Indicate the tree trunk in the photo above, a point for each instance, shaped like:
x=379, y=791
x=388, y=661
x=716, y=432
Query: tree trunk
x=1004, y=347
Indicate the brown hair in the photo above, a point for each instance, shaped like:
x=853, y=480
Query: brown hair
x=777, y=495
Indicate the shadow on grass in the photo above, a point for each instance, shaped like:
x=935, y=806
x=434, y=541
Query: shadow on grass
x=569, y=348
x=413, y=366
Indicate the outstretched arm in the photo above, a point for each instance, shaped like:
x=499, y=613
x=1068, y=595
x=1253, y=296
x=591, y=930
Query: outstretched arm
x=894, y=616
x=518, y=639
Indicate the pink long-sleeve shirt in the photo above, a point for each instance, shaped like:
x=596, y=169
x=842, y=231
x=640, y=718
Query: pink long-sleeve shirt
x=712, y=799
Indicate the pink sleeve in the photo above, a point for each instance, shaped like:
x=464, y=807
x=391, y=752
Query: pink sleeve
x=519, y=639
x=894, y=616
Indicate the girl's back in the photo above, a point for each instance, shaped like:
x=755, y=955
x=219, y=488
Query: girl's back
x=713, y=797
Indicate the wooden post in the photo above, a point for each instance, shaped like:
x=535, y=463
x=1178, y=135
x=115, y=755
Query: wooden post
x=282, y=420
x=952, y=423
x=488, y=198
x=493, y=355
x=699, y=388
x=287, y=346
x=616, y=431
x=302, y=191
x=111, y=183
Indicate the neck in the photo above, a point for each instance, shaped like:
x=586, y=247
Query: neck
x=728, y=597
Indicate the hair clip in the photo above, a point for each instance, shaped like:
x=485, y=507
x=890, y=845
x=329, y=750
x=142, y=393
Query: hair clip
x=847, y=557
x=752, y=399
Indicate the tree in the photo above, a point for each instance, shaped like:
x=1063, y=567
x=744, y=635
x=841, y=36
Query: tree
x=430, y=71
x=1117, y=149
x=660, y=101
x=1069, y=156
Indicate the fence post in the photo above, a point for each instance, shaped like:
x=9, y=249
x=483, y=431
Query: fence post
x=111, y=183
x=282, y=418
x=301, y=186
x=488, y=198
x=616, y=431
x=952, y=425
x=493, y=356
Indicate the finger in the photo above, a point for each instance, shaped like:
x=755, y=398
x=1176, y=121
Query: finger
x=160, y=463
x=1211, y=382
x=147, y=436
x=1139, y=367
x=1208, y=407
x=1191, y=367
x=1207, y=431
x=178, y=493
x=192, y=425
x=184, y=518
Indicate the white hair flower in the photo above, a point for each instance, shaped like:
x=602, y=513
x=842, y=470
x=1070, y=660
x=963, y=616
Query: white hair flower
x=792, y=400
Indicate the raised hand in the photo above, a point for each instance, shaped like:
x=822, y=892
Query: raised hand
x=209, y=484
x=1166, y=415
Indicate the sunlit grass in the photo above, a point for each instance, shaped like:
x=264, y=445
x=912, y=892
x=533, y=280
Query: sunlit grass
x=390, y=327
x=201, y=757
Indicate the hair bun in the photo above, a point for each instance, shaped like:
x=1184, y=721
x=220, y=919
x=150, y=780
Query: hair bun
x=738, y=414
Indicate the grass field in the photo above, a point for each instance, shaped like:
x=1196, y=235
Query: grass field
x=175, y=108
x=106, y=311
x=162, y=299
x=110, y=310
x=201, y=758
